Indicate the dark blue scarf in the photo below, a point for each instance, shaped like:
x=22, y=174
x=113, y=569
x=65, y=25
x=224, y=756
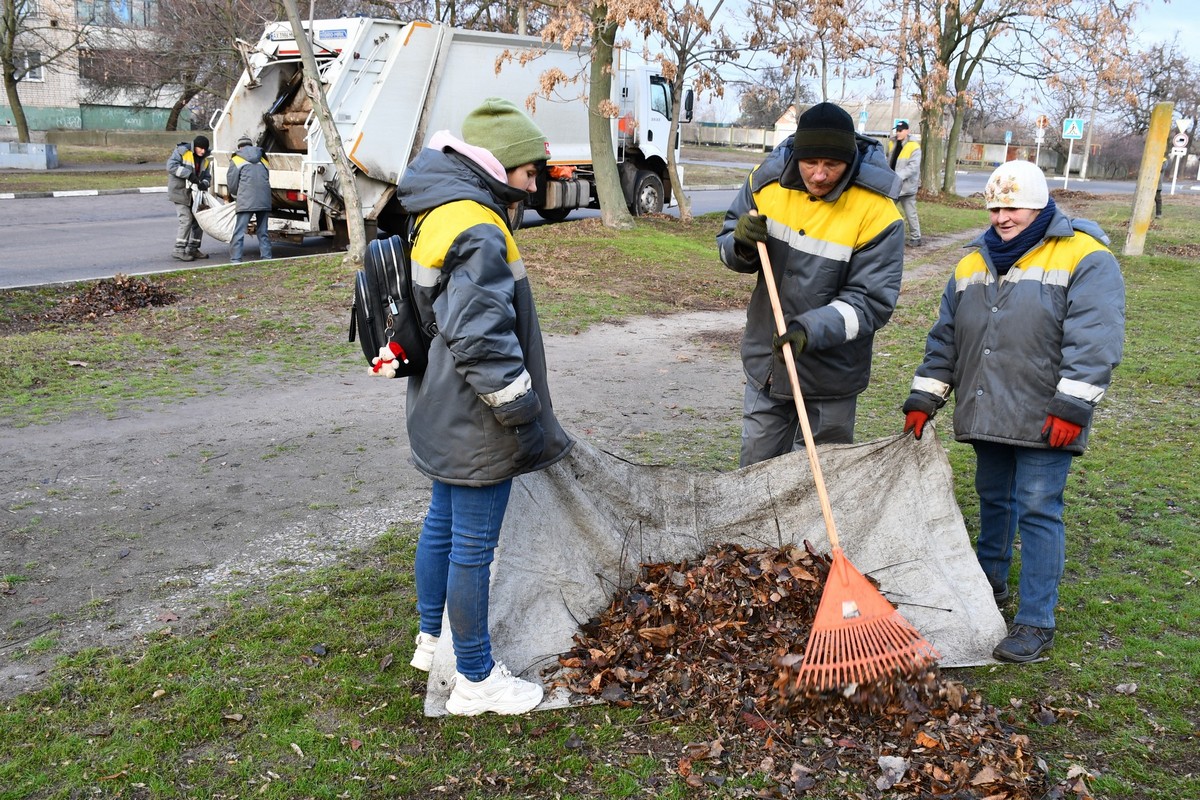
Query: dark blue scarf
x=1005, y=254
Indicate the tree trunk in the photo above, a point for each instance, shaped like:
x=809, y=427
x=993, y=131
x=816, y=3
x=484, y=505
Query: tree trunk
x=345, y=172
x=14, y=102
x=614, y=211
x=177, y=109
x=950, y=181
x=685, y=205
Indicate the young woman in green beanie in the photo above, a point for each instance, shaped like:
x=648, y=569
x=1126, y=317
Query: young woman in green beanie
x=481, y=414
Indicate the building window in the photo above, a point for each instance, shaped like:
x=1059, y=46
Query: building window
x=29, y=66
x=133, y=13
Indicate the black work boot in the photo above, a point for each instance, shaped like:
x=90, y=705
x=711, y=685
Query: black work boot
x=196, y=254
x=182, y=255
x=1000, y=595
x=1024, y=643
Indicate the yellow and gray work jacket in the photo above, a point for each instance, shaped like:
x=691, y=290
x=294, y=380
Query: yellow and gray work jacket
x=908, y=165
x=837, y=261
x=488, y=352
x=1042, y=339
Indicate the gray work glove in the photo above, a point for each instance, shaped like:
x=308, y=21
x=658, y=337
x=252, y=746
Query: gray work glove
x=521, y=417
x=750, y=230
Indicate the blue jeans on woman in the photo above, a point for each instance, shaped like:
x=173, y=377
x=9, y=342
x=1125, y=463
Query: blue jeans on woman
x=1021, y=488
x=453, y=568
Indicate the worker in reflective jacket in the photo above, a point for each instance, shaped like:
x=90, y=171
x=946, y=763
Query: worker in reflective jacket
x=1031, y=326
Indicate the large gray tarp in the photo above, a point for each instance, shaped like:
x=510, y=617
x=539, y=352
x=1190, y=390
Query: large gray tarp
x=576, y=532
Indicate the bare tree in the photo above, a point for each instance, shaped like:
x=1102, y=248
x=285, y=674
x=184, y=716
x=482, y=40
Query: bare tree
x=812, y=38
x=954, y=42
x=694, y=51
x=594, y=24
x=765, y=100
x=31, y=41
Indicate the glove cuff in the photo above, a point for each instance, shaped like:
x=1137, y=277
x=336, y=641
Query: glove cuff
x=920, y=401
x=522, y=411
x=1076, y=413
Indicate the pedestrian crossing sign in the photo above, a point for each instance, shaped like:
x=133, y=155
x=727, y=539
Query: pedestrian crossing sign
x=1072, y=129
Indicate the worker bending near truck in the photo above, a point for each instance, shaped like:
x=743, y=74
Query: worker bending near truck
x=189, y=170
x=825, y=203
x=1030, y=329
x=249, y=181
x=481, y=413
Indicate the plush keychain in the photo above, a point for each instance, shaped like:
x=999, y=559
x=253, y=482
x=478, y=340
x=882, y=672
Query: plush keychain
x=390, y=355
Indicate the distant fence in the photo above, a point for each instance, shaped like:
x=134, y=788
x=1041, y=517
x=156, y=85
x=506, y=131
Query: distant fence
x=727, y=136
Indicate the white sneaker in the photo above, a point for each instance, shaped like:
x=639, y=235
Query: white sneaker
x=423, y=657
x=501, y=693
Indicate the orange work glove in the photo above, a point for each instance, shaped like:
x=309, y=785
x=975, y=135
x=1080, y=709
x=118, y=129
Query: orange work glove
x=915, y=421
x=1058, y=432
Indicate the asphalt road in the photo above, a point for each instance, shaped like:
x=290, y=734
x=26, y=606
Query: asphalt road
x=77, y=238
x=67, y=239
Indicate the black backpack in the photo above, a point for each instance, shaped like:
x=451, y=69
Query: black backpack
x=384, y=314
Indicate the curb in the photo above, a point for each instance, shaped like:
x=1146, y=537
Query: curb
x=82, y=193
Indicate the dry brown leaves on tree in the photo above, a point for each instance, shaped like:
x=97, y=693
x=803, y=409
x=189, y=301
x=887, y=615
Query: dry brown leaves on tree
x=720, y=641
x=110, y=296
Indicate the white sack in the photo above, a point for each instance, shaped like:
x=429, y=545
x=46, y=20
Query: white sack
x=578, y=530
x=215, y=217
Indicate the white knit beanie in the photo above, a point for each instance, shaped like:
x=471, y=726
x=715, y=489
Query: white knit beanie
x=1017, y=184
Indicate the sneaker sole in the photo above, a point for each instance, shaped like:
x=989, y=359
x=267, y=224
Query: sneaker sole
x=422, y=661
x=469, y=709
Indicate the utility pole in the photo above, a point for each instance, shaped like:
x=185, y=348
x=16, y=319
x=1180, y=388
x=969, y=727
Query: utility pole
x=901, y=49
x=333, y=141
x=1143, y=198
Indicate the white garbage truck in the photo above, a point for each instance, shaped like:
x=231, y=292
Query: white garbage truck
x=391, y=85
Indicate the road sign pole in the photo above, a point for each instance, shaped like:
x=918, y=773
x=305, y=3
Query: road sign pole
x=1175, y=174
x=1067, y=171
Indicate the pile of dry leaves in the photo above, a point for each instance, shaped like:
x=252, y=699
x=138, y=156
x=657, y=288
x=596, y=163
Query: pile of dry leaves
x=718, y=641
x=110, y=296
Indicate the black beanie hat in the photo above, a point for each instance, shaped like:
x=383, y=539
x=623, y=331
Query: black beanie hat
x=200, y=141
x=825, y=131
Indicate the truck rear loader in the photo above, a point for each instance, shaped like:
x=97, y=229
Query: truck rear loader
x=392, y=85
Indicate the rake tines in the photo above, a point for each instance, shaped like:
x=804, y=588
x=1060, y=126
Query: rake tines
x=858, y=636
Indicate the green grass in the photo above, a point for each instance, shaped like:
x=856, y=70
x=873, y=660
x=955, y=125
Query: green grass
x=247, y=707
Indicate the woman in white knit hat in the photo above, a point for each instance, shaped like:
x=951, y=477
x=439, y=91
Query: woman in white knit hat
x=1030, y=329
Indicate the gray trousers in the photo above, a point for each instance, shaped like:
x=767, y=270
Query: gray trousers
x=189, y=233
x=908, y=207
x=771, y=426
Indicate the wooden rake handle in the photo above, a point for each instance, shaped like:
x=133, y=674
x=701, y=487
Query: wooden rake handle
x=789, y=359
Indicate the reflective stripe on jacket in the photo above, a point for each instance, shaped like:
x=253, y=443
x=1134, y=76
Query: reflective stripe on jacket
x=1043, y=339
x=838, y=261
x=181, y=166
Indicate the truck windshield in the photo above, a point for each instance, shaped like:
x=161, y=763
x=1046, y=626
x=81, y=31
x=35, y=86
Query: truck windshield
x=660, y=96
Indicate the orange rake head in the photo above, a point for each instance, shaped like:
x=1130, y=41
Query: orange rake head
x=858, y=636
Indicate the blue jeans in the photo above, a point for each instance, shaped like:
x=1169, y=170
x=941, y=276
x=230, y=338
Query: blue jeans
x=1021, y=488
x=241, y=223
x=453, y=568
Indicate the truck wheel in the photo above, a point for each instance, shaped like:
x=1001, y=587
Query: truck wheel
x=554, y=214
x=647, y=194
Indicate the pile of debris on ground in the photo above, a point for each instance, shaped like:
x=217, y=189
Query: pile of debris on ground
x=719, y=642
x=105, y=298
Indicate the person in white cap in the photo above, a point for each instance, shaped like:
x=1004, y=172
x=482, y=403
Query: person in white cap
x=1031, y=326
